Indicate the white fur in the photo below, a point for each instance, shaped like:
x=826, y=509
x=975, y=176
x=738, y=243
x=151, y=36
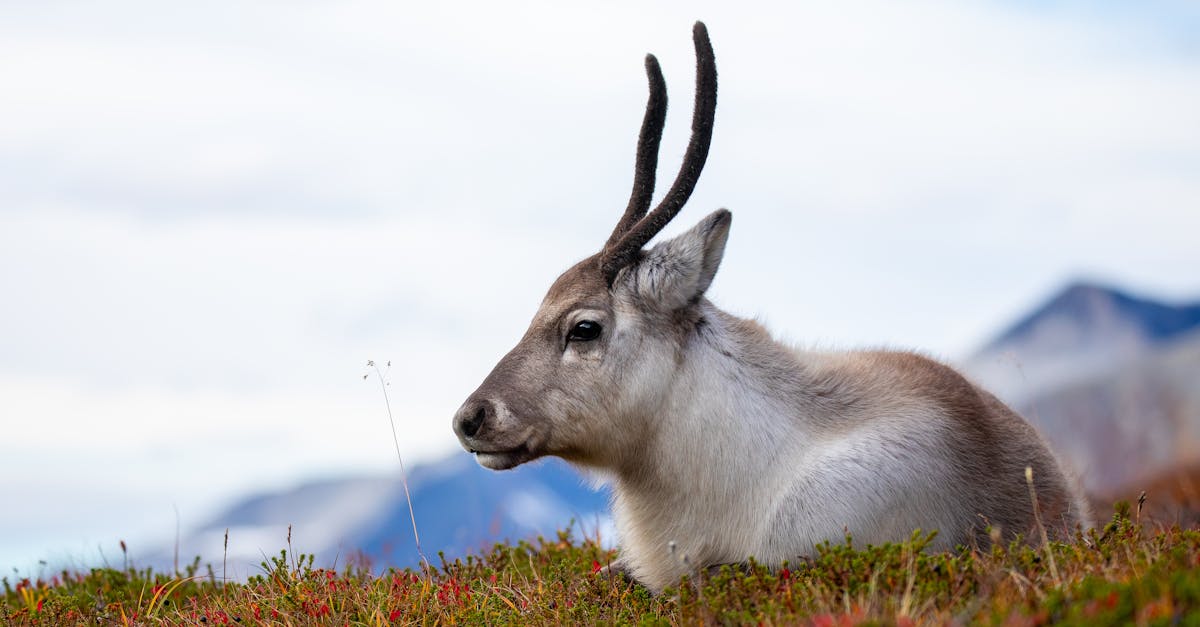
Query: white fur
x=741, y=475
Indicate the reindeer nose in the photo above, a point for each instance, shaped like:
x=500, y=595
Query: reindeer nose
x=472, y=416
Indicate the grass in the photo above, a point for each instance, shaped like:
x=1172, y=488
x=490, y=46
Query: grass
x=1121, y=573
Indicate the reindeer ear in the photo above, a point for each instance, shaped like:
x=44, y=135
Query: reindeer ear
x=676, y=273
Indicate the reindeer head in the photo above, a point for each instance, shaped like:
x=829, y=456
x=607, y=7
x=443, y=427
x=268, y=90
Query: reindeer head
x=593, y=370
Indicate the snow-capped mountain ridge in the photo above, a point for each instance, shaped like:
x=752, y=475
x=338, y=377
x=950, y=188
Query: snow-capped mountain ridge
x=1084, y=331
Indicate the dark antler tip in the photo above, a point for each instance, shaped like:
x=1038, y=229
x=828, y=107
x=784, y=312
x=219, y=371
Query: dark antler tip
x=703, y=45
x=652, y=66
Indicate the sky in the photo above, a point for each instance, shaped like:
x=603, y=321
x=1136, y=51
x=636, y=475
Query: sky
x=212, y=215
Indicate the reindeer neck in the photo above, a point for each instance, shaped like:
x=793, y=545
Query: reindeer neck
x=739, y=396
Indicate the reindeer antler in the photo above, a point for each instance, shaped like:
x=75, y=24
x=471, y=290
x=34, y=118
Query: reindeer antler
x=636, y=227
x=647, y=152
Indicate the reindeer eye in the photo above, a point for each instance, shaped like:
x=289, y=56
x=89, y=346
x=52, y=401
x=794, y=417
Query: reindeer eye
x=584, y=331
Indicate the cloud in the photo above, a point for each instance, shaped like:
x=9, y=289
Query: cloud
x=213, y=215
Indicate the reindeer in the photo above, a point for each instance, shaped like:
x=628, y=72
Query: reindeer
x=723, y=444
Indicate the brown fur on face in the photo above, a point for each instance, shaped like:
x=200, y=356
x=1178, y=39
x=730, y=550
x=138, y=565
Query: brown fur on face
x=519, y=395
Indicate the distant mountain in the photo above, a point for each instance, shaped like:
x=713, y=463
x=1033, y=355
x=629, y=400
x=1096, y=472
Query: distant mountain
x=1138, y=421
x=1111, y=379
x=459, y=507
x=1097, y=311
x=1084, y=331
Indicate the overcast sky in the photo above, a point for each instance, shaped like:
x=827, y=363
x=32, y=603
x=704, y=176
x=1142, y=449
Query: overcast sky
x=212, y=214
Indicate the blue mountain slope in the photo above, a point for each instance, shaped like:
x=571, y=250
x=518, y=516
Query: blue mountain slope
x=459, y=507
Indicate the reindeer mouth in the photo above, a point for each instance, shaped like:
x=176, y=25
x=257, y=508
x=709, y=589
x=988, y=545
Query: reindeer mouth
x=503, y=459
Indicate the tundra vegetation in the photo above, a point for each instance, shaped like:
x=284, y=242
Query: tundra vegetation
x=1122, y=572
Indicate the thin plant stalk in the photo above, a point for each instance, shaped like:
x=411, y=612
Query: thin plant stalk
x=1037, y=517
x=403, y=473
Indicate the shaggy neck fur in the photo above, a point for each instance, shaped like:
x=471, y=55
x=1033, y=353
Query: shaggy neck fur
x=735, y=403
